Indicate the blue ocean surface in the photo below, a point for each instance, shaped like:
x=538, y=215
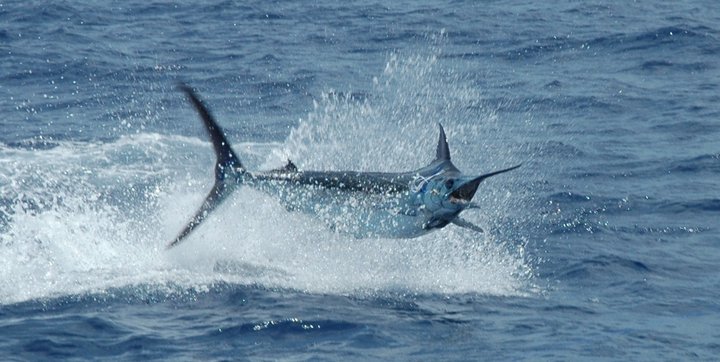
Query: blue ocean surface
x=603, y=246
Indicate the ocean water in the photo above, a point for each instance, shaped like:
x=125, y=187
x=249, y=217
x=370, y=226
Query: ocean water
x=603, y=246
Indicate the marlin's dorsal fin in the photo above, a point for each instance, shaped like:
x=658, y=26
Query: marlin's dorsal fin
x=443, y=151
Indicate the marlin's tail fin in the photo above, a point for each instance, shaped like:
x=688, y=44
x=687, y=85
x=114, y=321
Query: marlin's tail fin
x=227, y=167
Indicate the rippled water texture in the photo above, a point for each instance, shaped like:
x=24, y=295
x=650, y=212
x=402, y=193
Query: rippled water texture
x=602, y=245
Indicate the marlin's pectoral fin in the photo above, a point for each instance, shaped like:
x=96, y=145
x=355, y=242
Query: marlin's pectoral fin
x=467, y=224
x=472, y=205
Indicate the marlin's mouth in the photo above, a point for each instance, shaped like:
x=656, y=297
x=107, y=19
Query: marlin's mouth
x=464, y=193
x=455, y=200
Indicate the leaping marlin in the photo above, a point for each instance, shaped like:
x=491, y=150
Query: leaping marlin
x=364, y=204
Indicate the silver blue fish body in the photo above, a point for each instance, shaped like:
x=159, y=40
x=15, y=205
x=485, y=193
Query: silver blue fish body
x=362, y=204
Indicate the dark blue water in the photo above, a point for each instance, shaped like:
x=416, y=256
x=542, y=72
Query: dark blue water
x=604, y=245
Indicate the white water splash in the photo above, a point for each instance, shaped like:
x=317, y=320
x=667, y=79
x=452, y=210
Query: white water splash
x=86, y=217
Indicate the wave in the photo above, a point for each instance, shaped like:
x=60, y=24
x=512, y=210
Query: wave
x=671, y=38
x=603, y=267
x=709, y=163
x=660, y=65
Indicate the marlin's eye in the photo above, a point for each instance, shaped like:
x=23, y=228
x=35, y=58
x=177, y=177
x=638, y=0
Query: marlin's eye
x=449, y=183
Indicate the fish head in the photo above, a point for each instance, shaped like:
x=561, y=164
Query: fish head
x=444, y=196
x=447, y=194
